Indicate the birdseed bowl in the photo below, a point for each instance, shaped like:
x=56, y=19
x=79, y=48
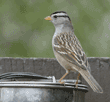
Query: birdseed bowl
x=43, y=89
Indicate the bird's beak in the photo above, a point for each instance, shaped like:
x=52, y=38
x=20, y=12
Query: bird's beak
x=48, y=18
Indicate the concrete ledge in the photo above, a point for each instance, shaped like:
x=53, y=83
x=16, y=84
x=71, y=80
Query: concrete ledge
x=100, y=69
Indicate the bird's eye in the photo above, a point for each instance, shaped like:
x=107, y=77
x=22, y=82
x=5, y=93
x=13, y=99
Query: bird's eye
x=55, y=16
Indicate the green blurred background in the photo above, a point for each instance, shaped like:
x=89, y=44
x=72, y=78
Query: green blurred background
x=25, y=33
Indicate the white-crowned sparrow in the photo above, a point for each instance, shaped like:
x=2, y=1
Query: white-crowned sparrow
x=68, y=50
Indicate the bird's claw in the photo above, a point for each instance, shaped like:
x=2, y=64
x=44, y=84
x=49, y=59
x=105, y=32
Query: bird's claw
x=62, y=82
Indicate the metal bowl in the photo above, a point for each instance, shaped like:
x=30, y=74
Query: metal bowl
x=41, y=91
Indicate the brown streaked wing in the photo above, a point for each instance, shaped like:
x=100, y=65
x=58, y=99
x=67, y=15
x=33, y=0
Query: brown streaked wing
x=70, y=48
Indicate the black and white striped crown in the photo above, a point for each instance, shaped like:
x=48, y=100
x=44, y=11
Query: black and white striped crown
x=60, y=14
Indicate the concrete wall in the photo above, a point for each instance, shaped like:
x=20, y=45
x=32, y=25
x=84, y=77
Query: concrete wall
x=100, y=69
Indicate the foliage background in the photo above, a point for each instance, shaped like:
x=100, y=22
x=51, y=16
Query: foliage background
x=25, y=33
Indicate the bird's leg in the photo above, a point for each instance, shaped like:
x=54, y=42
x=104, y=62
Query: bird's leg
x=63, y=77
x=77, y=80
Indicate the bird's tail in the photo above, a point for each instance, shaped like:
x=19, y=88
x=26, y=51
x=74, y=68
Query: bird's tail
x=91, y=81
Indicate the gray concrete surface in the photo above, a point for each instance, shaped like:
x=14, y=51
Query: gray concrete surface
x=100, y=69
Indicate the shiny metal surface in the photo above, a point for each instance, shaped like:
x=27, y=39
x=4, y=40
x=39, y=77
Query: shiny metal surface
x=30, y=87
x=31, y=91
x=35, y=95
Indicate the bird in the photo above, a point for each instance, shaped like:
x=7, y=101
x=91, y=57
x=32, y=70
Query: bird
x=68, y=50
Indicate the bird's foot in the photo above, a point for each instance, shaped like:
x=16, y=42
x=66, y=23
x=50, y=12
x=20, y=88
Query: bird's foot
x=76, y=85
x=62, y=82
